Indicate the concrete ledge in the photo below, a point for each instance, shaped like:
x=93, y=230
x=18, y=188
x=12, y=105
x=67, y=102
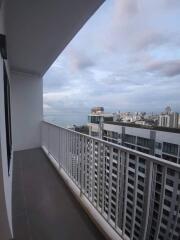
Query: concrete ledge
x=99, y=221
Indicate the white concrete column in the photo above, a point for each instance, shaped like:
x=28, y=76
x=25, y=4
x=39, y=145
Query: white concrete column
x=27, y=109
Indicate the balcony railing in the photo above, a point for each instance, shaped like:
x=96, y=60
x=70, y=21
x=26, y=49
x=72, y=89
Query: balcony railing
x=138, y=195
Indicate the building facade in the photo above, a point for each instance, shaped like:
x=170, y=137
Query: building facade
x=148, y=193
x=96, y=119
x=139, y=196
x=169, y=119
x=162, y=144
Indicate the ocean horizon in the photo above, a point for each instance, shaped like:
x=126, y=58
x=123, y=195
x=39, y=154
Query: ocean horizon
x=66, y=121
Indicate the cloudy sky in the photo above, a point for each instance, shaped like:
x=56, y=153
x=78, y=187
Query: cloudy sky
x=126, y=57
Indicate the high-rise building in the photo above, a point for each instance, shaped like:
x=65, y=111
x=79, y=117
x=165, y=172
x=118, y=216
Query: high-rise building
x=168, y=118
x=95, y=120
x=160, y=142
x=148, y=193
x=143, y=196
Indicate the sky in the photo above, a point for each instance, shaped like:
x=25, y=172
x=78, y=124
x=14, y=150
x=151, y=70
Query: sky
x=125, y=58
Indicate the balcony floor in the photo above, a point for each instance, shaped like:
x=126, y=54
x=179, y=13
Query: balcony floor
x=43, y=207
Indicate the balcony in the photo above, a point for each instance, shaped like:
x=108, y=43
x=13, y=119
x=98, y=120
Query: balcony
x=43, y=207
x=127, y=194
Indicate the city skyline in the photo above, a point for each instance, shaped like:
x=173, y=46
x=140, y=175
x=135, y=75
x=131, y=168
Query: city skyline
x=72, y=118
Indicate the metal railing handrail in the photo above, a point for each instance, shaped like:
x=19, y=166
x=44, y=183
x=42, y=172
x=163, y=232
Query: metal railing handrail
x=138, y=153
x=117, y=181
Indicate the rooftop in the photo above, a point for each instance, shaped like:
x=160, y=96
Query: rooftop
x=157, y=128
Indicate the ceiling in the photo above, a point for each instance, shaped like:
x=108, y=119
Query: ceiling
x=38, y=30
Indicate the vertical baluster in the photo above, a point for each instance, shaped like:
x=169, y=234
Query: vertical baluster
x=82, y=165
x=149, y=170
x=72, y=162
x=98, y=173
x=72, y=147
x=74, y=157
x=117, y=188
x=110, y=182
x=135, y=195
x=78, y=159
x=103, y=180
x=63, y=133
x=89, y=168
x=75, y=149
x=60, y=131
x=70, y=155
x=59, y=147
x=125, y=191
x=48, y=138
x=67, y=149
x=93, y=169
x=85, y=175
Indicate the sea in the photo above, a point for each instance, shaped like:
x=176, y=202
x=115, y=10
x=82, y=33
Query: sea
x=66, y=121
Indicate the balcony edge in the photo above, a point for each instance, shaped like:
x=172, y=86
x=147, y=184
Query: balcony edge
x=108, y=232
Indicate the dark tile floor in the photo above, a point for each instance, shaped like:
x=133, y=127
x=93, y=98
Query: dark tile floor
x=43, y=207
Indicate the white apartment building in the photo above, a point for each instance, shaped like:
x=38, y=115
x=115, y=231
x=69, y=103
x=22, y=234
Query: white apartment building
x=135, y=180
x=169, y=119
x=155, y=141
x=96, y=119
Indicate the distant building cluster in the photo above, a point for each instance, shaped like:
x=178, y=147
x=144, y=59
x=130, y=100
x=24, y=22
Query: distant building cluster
x=167, y=118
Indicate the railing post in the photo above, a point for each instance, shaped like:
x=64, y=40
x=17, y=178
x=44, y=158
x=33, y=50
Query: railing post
x=59, y=153
x=85, y=175
x=103, y=178
x=98, y=172
x=110, y=182
x=82, y=166
x=93, y=170
x=117, y=188
x=126, y=158
x=149, y=164
x=48, y=139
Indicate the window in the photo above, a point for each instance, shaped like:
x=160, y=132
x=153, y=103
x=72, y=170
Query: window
x=169, y=158
x=170, y=148
x=167, y=203
x=115, y=135
x=132, y=165
x=169, y=182
x=94, y=119
x=129, y=138
x=168, y=193
x=158, y=145
x=144, y=142
x=170, y=172
x=7, y=108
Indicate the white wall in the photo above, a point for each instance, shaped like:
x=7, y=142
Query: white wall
x=5, y=179
x=27, y=110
